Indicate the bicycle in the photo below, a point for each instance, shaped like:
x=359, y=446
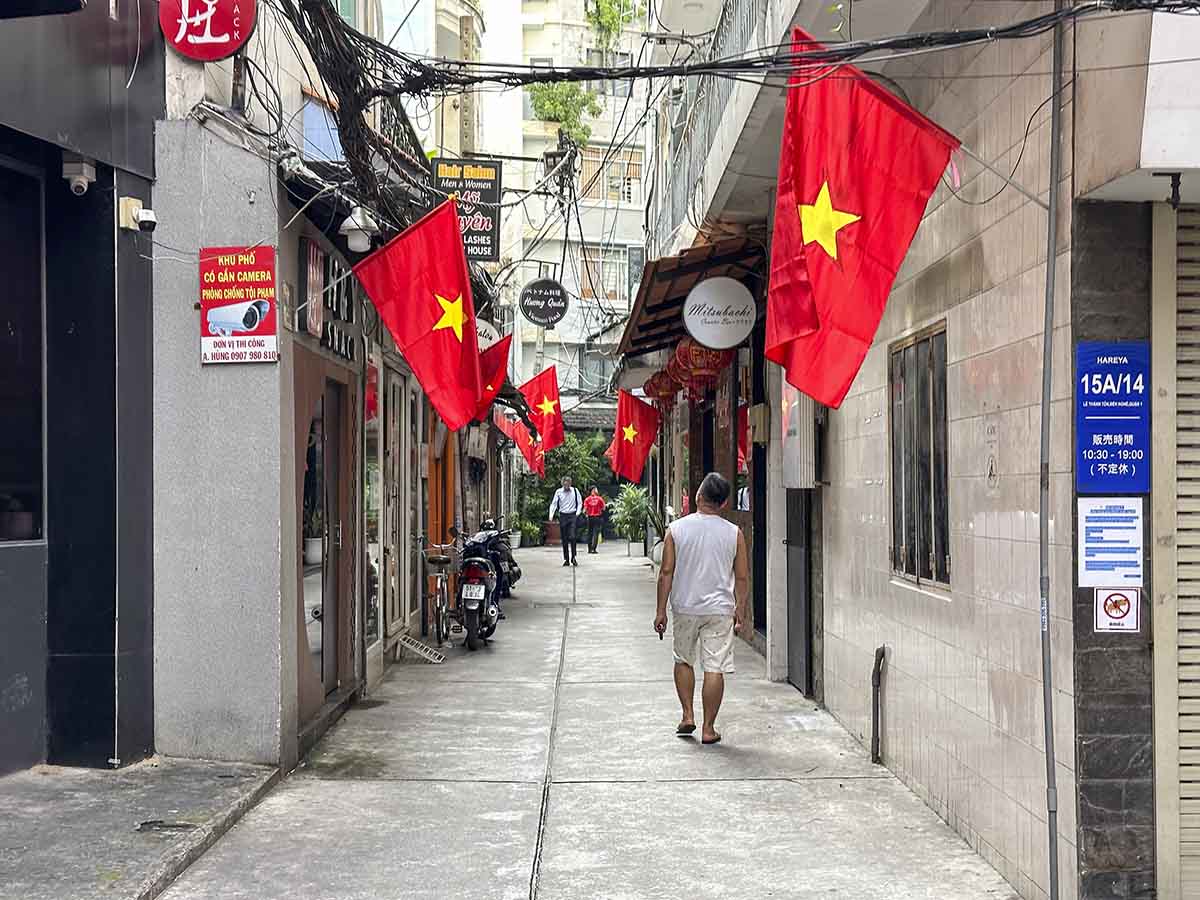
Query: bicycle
x=441, y=563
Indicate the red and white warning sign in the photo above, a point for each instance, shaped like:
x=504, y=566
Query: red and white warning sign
x=238, y=319
x=1117, y=609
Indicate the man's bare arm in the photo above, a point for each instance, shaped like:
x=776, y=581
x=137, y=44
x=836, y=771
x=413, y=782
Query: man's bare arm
x=666, y=576
x=741, y=583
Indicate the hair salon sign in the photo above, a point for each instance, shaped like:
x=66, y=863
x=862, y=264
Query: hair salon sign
x=720, y=312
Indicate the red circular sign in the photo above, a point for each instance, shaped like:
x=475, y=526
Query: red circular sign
x=207, y=30
x=1116, y=606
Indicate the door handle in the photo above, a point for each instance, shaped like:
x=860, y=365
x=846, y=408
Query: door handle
x=337, y=531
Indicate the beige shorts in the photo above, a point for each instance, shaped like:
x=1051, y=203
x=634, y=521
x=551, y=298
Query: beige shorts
x=712, y=636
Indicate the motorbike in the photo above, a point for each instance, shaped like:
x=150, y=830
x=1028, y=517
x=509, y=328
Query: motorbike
x=486, y=575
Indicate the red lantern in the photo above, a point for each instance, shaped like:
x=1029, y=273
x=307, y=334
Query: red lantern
x=701, y=365
x=661, y=388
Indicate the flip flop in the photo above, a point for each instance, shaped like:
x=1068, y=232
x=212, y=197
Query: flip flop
x=684, y=730
x=715, y=740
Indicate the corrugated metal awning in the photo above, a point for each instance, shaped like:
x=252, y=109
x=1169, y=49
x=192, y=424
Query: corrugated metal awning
x=655, y=322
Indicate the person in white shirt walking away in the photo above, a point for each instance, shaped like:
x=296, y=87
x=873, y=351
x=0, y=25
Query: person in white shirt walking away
x=568, y=506
x=705, y=575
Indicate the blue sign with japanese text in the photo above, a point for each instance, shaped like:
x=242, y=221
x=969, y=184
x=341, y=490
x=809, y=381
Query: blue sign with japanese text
x=1112, y=417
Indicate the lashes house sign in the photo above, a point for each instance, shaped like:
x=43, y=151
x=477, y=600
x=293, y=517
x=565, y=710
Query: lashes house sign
x=720, y=312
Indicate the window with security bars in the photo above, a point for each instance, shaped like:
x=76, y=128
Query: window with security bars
x=603, y=273
x=613, y=177
x=920, y=487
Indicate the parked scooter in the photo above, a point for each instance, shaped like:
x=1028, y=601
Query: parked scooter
x=486, y=574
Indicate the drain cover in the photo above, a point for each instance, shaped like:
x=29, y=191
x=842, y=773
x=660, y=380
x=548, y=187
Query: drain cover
x=159, y=826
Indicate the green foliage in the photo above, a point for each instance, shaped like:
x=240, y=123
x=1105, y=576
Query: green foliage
x=566, y=103
x=631, y=511
x=608, y=19
x=531, y=531
x=581, y=458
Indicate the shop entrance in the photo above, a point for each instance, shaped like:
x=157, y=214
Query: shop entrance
x=323, y=535
x=800, y=618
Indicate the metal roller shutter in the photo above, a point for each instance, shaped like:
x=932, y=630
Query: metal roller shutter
x=1188, y=541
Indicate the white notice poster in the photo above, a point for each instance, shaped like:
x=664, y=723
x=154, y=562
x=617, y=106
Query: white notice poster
x=1110, y=542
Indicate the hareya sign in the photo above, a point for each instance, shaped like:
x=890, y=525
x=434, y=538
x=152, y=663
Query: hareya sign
x=544, y=302
x=477, y=184
x=237, y=305
x=207, y=30
x=720, y=313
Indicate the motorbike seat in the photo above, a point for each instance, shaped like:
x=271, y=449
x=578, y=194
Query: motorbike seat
x=439, y=560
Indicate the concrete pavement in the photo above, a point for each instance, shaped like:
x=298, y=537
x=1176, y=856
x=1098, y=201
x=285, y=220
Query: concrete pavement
x=545, y=765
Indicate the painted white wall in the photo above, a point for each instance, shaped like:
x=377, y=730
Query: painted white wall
x=1171, y=128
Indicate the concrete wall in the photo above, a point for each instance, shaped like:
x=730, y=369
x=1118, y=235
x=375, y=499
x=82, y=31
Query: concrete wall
x=219, y=434
x=962, y=705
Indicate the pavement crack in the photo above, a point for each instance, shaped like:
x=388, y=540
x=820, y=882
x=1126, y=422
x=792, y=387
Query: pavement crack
x=536, y=870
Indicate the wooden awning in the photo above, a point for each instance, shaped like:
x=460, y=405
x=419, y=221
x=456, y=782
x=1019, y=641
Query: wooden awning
x=656, y=321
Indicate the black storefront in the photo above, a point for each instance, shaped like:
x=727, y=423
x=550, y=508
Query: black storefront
x=79, y=94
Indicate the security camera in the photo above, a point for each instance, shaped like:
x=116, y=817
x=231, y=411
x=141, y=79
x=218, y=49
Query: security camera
x=146, y=220
x=79, y=173
x=239, y=317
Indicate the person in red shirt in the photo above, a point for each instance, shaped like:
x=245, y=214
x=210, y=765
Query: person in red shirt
x=593, y=508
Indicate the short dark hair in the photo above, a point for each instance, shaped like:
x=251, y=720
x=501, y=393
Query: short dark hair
x=715, y=489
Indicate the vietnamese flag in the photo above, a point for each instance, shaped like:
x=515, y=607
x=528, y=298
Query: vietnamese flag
x=637, y=430
x=419, y=283
x=493, y=368
x=541, y=392
x=531, y=450
x=856, y=168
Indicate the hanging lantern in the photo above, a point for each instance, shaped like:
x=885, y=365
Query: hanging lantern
x=661, y=388
x=676, y=373
x=701, y=365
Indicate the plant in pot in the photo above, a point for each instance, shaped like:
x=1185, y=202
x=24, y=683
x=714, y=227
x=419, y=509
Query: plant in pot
x=314, y=535
x=631, y=511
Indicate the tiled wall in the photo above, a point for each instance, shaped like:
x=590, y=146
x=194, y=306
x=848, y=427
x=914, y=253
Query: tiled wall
x=963, y=692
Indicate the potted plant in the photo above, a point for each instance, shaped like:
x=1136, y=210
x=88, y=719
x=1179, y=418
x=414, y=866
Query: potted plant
x=515, y=532
x=630, y=512
x=531, y=533
x=314, y=535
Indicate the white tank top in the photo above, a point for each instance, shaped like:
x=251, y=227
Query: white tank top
x=705, y=548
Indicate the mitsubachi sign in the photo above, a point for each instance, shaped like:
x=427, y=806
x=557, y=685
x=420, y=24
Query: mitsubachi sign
x=477, y=184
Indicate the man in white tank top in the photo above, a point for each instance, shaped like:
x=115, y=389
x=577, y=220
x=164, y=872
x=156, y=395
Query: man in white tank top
x=706, y=576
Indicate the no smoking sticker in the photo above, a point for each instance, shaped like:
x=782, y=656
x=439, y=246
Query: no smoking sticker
x=1117, y=609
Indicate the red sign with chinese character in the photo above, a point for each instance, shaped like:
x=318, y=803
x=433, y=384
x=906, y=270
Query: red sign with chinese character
x=207, y=30
x=238, y=321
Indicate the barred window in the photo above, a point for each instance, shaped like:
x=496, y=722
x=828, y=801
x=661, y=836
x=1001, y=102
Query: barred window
x=920, y=508
x=603, y=272
x=611, y=177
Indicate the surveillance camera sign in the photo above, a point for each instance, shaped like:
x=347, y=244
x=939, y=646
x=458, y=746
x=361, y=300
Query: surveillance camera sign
x=238, y=320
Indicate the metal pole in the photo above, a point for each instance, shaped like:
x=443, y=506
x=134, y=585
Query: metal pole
x=1044, y=467
x=1016, y=185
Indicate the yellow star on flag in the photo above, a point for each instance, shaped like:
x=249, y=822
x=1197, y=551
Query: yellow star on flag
x=630, y=433
x=820, y=222
x=452, y=315
x=546, y=407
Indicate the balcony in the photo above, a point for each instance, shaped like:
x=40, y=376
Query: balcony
x=722, y=166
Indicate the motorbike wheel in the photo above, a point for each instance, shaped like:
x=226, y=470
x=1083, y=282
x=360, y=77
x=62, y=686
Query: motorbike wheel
x=471, y=624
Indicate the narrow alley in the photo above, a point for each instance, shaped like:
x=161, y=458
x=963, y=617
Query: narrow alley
x=545, y=765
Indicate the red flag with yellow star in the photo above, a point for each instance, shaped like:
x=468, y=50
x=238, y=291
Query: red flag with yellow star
x=534, y=453
x=541, y=391
x=493, y=368
x=419, y=283
x=636, y=432
x=856, y=168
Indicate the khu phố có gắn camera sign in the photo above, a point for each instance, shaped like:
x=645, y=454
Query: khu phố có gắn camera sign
x=238, y=322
